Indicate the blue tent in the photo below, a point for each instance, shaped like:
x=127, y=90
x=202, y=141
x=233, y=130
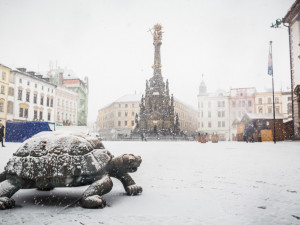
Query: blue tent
x=21, y=131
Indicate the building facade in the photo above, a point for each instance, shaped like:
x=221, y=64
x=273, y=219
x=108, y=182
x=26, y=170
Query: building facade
x=75, y=84
x=118, y=118
x=213, y=112
x=264, y=103
x=4, y=90
x=293, y=19
x=241, y=101
x=187, y=117
x=65, y=107
x=31, y=97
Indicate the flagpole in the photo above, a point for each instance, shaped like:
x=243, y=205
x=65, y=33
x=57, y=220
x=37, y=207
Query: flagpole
x=274, y=130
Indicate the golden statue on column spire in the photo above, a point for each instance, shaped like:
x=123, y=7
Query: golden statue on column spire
x=156, y=32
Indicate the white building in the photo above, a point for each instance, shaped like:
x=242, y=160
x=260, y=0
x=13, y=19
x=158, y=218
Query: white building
x=213, y=112
x=66, y=105
x=30, y=97
x=293, y=19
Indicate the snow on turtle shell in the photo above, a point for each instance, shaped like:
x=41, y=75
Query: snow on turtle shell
x=58, y=154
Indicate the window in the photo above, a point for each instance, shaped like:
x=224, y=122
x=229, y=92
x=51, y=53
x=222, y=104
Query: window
x=269, y=109
x=289, y=98
x=260, y=110
x=209, y=104
x=132, y=113
x=20, y=95
x=51, y=102
x=201, y=104
x=119, y=123
x=35, y=98
x=41, y=115
x=1, y=106
x=21, y=110
x=219, y=123
x=126, y=123
x=26, y=113
x=259, y=100
x=201, y=113
x=27, y=96
x=223, y=113
x=28, y=83
x=11, y=91
x=233, y=104
x=223, y=123
x=209, y=124
x=119, y=114
x=132, y=123
x=277, y=110
x=2, y=90
x=289, y=106
x=49, y=116
x=243, y=103
x=126, y=105
x=219, y=113
x=276, y=100
x=4, y=76
x=35, y=85
x=202, y=125
x=126, y=114
x=48, y=101
x=209, y=114
x=249, y=103
x=132, y=105
x=42, y=100
x=42, y=87
x=35, y=114
x=20, y=81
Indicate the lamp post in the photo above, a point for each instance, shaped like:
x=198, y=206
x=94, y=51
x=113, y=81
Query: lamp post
x=276, y=25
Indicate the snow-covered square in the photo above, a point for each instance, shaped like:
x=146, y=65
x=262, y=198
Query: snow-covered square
x=183, y=183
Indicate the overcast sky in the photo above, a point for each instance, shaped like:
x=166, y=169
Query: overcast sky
x=107, y=40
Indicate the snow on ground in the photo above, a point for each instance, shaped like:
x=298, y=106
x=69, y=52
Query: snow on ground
x=183, y=183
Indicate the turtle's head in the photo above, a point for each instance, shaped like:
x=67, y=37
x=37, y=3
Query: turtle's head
x=127, y=163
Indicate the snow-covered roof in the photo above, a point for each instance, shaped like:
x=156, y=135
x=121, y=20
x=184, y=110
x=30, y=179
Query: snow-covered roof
x=264, y=116
x=129, y=98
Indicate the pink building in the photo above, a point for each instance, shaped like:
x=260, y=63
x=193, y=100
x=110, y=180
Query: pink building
x=241, y=101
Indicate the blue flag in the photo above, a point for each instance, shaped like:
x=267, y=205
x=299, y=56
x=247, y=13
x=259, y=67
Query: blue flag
x=270, y=61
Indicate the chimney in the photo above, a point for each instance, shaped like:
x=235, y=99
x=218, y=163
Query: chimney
x=60, y=79
x=22, y=69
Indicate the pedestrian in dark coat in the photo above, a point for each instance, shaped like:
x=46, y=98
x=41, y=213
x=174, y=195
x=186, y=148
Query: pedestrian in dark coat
x=2, y=134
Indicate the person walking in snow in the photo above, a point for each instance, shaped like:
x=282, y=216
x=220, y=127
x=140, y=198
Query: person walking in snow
x=2, y=134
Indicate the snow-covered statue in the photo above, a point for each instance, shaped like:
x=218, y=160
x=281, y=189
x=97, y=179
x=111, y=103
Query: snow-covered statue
x=56, y=159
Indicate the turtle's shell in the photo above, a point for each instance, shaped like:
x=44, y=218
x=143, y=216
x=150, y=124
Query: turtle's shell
x=58, y=154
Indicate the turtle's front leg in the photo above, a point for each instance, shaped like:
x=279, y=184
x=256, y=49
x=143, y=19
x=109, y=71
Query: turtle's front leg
x=92, y=197
x=129, y=185
x=7, y=189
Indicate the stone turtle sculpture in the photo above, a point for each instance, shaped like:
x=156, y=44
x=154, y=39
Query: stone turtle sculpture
x=55, y=159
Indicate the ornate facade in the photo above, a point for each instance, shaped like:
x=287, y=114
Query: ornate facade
x=157, y=106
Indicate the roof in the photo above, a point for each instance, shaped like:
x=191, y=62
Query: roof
x=5, y=66
x=255, y=116
x=292, y=12
x=129, y=98
x=36, y=76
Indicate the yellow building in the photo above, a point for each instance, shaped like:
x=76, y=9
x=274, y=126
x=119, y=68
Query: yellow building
x=4, y=88
x=264, y=103
x=187, y=117
x=118, y=118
